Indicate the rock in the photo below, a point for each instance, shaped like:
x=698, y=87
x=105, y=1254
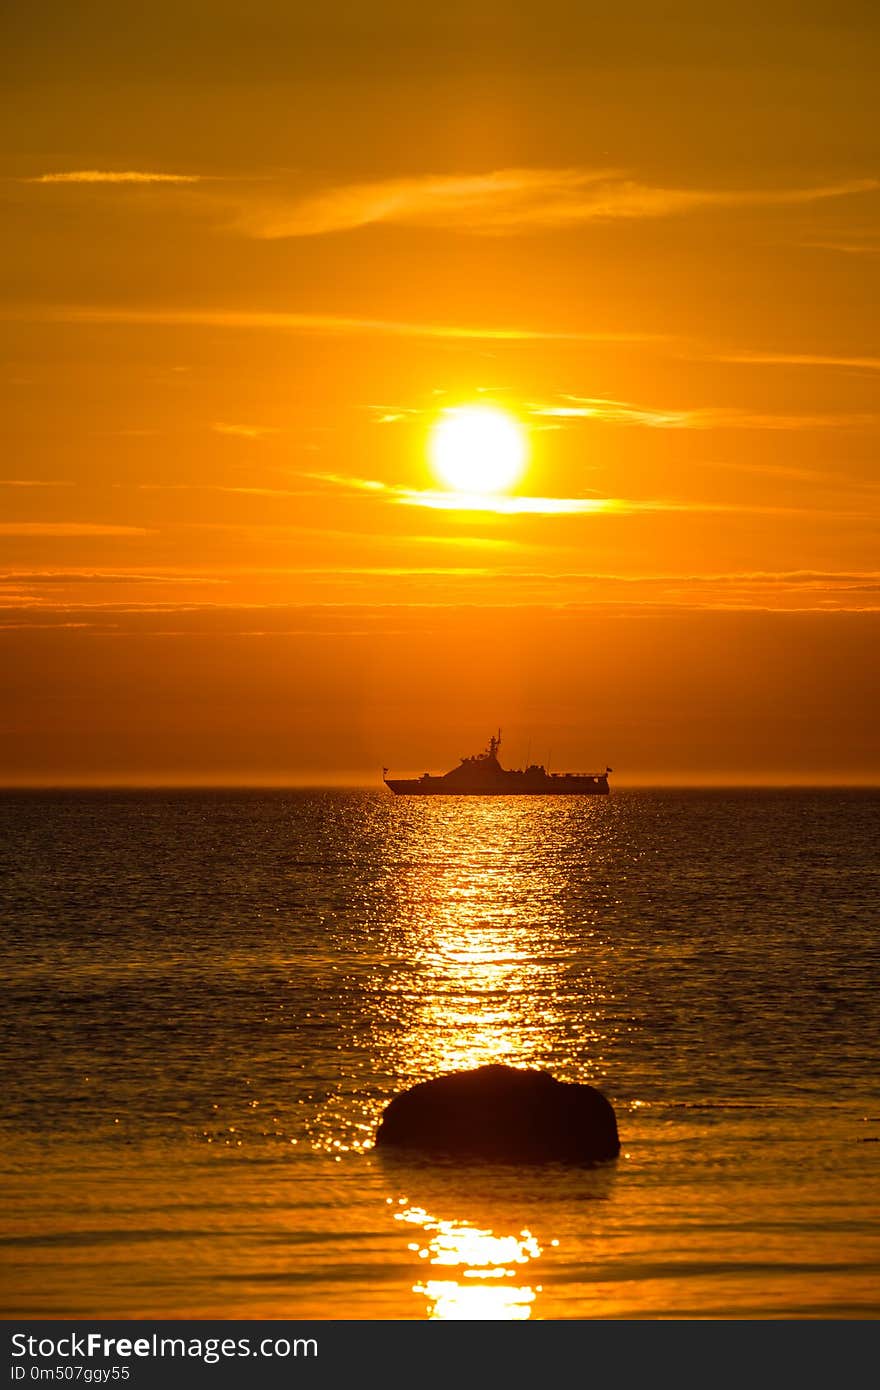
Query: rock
x=503, y=1114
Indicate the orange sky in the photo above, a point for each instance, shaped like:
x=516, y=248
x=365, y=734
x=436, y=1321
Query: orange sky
x=252, y=253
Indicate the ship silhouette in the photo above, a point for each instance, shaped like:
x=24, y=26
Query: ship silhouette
x=481, y=774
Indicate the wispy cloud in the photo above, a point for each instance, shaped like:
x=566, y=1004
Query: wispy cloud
x=252, y=491
x=605, y=411
x=700, y=418
x=69, y=528
x=99, y=577
x=394, y=414
x=504, y=201
x=281, y=321
x=53, y=625
x=501, y=505
x=355, y=600
x=798, y=591
x=33, y=482
x=112, y=176
x=820, y=476
x=611, y=412
x=846, y=246
x=802, y=359
x=507, y=506
x=437, y=500
x=244, y=431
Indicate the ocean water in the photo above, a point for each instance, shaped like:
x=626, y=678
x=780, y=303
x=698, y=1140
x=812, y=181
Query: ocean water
x=210, y=996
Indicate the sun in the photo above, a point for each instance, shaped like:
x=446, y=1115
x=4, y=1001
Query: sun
x=478, y=448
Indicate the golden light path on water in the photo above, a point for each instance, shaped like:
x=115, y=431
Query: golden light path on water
x=492, y=1263
x=481, y=969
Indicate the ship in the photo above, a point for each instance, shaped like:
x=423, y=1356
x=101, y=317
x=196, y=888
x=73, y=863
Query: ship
x=481, y=774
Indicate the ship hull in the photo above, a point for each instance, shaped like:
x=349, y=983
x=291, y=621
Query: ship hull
x=565, y=786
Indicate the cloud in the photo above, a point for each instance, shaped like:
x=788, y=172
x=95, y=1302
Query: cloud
x=352, y=600
x=252, y=491
x=507, y=506
x=819, y=476
x=611, y=412
x=508, y=200
x=244, y=431
x=52, y=625
x=469, y=502
x=502, y=505
x=112, y=176
x=76, y=576
x=69, y=528
x=292, y=322
x=846, y=248
x=33, y=482
x=802, y=359
x=602, y=410
x=700, y=418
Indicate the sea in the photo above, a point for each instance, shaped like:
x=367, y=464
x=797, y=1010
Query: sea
x=211, y=995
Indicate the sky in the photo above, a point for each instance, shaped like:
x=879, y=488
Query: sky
x=254, y=252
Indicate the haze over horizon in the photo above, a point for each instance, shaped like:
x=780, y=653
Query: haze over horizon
x=252, y=257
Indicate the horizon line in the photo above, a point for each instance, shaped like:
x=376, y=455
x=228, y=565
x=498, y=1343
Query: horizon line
x=720, y=783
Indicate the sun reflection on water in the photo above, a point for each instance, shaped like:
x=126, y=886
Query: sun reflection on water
x=468, y=957
x=481, y=966
x=483, y=1270
x=480, y=960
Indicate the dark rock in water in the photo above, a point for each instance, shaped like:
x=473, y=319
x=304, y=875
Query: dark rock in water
x=503, y=1114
